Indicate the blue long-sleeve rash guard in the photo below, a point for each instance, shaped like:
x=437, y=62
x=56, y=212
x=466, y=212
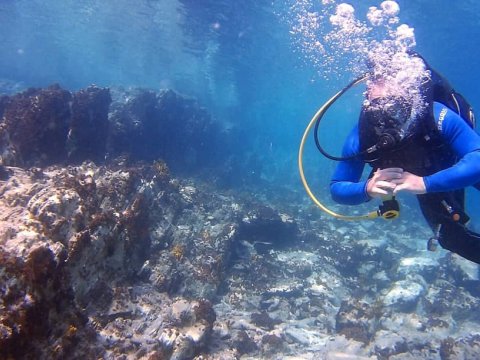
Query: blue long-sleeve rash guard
x=347, y=187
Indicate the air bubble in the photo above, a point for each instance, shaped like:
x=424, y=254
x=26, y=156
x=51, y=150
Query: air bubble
x=333, y=40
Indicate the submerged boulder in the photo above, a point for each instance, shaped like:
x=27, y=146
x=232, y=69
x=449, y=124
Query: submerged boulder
x=148, y=125
x=404, y=295
x=265, y=228
x=35, y=127
x=88, y=127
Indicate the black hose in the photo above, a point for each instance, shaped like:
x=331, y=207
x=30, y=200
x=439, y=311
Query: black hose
x=317, y=123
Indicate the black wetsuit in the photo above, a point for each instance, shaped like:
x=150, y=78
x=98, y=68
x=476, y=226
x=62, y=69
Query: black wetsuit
x=448, y=159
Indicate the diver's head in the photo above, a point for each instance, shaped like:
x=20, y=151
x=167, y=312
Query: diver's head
x=398, y=94
x=388, y=117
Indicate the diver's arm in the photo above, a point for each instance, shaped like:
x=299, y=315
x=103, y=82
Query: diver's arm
x=465, y=142
x=346, y=187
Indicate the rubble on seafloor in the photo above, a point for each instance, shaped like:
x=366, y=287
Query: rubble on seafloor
x=123, y=260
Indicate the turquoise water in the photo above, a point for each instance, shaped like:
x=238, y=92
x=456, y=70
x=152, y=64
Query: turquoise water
x=239, y=58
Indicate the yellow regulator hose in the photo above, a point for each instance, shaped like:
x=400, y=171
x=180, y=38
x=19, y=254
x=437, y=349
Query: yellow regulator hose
x=319, y=114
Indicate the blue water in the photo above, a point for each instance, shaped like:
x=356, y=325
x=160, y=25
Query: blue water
x=237, y=57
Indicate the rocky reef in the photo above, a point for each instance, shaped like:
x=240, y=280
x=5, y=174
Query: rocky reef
x=42, y=127
x=113, y=247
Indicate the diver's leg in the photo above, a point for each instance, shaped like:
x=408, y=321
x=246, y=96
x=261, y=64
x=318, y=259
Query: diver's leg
x=453, y=235
x=458, y=239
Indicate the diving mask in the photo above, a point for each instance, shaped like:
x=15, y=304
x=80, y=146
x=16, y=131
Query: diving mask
x=389, y=118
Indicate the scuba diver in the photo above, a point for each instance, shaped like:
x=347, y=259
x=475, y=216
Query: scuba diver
x=433, y=153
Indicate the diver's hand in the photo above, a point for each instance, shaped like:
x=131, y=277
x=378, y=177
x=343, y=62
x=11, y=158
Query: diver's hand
x=409, y=182
x=382, y=182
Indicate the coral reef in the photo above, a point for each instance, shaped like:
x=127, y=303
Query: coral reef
x=41, y=127
x=77, y=242
x=116, y=256
x=354, y=320
x=148, y=125
x=36, y=122
x=88, y=130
